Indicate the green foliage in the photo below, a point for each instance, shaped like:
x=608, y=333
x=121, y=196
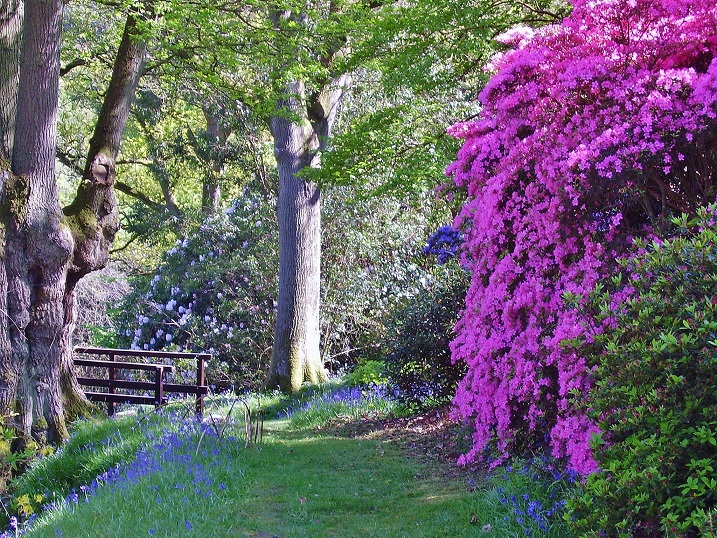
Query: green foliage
x=654, y=394
x=397, y=149
x=367, y=372
x=215, y=290
x=13, y=461
x=371, y=265
x=418, y=67
x=95, y=446
x=418, y=363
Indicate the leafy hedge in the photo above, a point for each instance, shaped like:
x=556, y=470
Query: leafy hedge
x=655, y=392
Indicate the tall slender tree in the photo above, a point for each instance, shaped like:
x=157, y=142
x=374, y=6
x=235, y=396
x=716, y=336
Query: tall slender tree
x=306, y=111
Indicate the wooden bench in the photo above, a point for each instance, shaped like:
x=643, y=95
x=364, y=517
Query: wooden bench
x=158, y=385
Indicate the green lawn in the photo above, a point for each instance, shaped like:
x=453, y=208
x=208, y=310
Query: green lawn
x=299, y=482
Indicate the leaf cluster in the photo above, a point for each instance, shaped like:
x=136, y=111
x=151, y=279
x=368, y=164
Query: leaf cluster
x=654, y=398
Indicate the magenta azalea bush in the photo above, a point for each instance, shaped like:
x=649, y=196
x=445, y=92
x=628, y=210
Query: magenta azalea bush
x=591, y=132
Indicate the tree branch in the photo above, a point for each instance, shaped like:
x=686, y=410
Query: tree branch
x=69, y=162
x=70, y=66
x=139, y=196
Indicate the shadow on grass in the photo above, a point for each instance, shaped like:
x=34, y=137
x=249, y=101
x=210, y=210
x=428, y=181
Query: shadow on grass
x=301, y=486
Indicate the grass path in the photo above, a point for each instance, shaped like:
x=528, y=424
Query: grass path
x=296, y=484
x=308, y=486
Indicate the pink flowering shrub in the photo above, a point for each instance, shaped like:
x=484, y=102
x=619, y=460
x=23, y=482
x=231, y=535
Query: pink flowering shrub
x=591, y=132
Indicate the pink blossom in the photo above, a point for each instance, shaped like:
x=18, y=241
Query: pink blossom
x=579, y=124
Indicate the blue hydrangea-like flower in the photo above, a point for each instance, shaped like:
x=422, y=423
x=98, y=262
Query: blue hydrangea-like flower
x=444, y=243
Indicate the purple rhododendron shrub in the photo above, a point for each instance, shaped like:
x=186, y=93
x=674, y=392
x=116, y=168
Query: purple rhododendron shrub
x=591, y=133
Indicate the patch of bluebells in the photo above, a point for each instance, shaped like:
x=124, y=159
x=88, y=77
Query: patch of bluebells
x=343, y=400
x=444, y=243
x=534, y=495
x=172, y=448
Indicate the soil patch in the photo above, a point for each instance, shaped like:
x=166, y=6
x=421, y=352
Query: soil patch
x=432, y=438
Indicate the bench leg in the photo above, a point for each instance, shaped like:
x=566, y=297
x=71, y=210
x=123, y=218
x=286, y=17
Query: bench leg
x=200, y=383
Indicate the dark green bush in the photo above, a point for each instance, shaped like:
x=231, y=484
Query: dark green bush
x=655, y=392
x=418, y=363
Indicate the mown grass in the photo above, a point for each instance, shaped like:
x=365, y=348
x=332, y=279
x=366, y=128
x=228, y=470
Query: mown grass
x=185, y=480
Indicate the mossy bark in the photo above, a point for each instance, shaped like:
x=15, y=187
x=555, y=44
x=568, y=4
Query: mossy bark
x=47, y=251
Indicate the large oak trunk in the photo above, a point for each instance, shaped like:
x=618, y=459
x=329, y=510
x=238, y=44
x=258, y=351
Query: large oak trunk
x=300, y=131
x=11, y=17
x=38, y=245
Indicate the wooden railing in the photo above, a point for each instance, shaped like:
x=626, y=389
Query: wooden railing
x=158, y=385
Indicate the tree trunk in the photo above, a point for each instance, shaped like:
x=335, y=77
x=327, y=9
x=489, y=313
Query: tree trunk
x=45, y=251
x=216, y=137
x=93, y=215
x=11, y=17
x=300, y=130
x=38, y=246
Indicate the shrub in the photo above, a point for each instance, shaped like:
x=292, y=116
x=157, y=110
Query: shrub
x=590, y=131
x=654, y=395
x=215, y=292
x=371, y=265
x=367, y=372
x=418, y=363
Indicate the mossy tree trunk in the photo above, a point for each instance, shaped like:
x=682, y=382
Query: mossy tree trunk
x=93, y=216
x=45, y=250
x=11, y=19
x=296, y=353
x=38, y=246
